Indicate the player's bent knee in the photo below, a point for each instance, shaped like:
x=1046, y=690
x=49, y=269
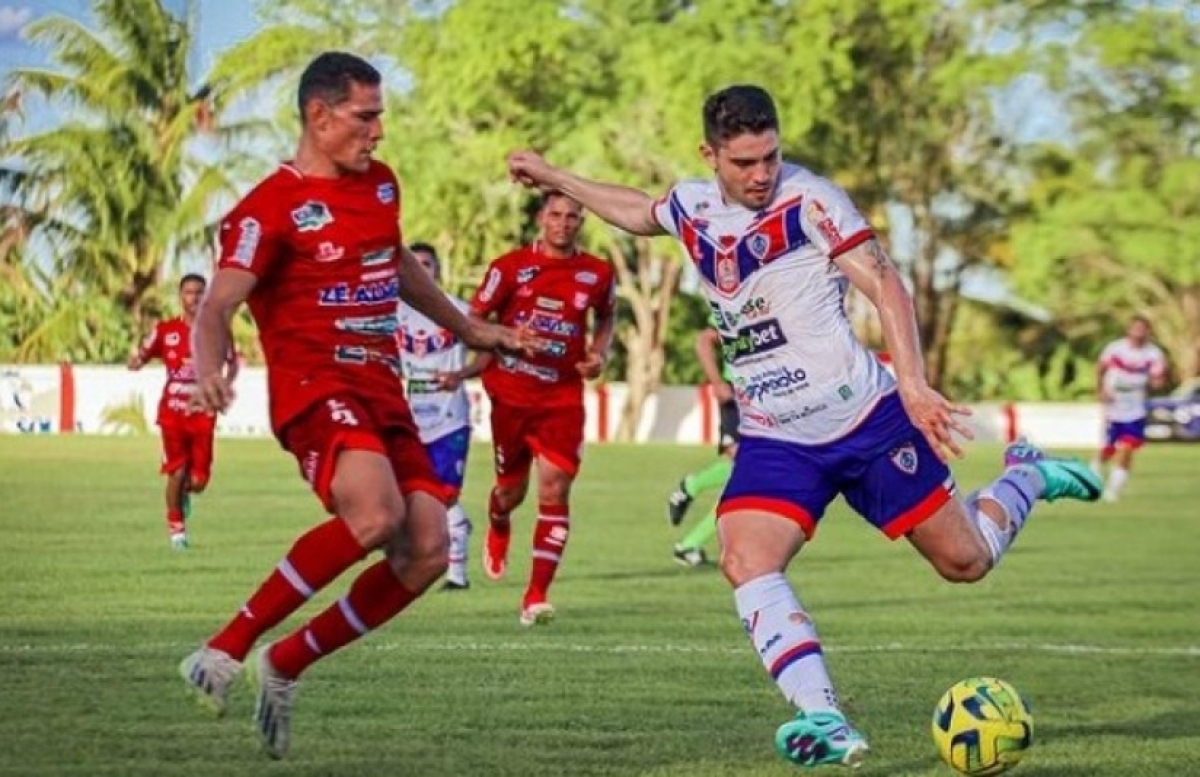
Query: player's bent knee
x=962, y=569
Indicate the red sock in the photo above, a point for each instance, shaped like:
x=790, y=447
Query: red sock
x=550, y=536
x=499, y=519
x=375, y=597
x=175, y=521
x=314, y=562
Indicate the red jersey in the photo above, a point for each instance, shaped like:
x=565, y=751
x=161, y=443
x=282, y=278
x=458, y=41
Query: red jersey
x=171, y=341
x=326, y=252
x=552, y=296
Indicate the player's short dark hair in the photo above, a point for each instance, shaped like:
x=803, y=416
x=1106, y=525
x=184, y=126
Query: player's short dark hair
x=738, y=110
x=550, y=196
x=328, y=78
x=192, y=277
x=426, y=248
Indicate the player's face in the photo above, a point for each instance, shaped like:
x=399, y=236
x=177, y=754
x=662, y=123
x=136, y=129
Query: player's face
x=560, y=221
x=189, y=297
x=428, y=263
x=747, y=167
x=1138, y=332
x=349, y=131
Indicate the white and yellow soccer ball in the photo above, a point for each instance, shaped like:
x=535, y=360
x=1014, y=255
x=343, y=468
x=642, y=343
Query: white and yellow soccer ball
x=982, y=727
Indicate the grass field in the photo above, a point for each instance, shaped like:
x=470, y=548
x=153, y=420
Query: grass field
x=1094, y=616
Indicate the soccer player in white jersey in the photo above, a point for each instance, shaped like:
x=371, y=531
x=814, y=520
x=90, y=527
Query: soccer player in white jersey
x=1128, y=368
x=431, y=358
x=776, y=247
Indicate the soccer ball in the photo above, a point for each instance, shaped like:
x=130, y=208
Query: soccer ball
x=982, y=727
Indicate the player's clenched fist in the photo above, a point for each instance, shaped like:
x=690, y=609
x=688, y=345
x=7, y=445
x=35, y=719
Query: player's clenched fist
x=528, y=168
x=214, y=393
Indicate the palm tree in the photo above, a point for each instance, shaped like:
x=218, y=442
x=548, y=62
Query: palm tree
x=120, y=187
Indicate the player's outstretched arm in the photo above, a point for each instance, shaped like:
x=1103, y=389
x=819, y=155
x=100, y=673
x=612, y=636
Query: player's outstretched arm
x=708, y=353
x=419, y=290
x=871, y=271
x=622, y=206
x=212, y=336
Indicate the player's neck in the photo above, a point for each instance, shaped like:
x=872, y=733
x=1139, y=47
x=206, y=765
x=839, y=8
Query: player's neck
x=545, y=249
x=311, y=163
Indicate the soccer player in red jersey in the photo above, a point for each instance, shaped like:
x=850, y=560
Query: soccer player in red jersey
x=316, y=250
x=548, y=287
x=187, y=433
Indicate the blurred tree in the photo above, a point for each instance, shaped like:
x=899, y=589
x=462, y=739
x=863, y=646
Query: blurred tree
x=120, y=186
x=1115, y=226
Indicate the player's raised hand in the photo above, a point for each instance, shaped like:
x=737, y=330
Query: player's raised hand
x=528, y=168
x=592, y=365
x=214, y=393
x=937, y=418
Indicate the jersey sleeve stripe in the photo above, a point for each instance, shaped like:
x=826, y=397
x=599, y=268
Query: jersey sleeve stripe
x=855, y=240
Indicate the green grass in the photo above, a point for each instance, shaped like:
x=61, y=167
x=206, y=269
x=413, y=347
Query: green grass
x=1094, y=617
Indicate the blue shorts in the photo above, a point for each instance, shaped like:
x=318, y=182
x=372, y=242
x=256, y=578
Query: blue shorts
x=1124, y=434
x=449, y=456
x=884, y=468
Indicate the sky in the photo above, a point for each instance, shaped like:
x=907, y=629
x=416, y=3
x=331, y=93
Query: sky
x=222, y=24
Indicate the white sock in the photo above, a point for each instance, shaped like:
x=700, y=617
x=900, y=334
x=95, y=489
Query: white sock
x=786, y=641
x=1015, y=492
x=460, y=531
x=1116, y=480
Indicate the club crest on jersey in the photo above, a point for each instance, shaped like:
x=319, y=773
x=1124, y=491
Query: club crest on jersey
x=328, y=252
x=581, y=300
x=526, y=274
x=312, y=216
x=386, y=192
x=172, y=339
x=759, y=244
x=905, y=459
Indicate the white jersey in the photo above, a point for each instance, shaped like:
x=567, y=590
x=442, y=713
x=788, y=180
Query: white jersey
x=1127, y=373
x=425, y=350
x=799, y=373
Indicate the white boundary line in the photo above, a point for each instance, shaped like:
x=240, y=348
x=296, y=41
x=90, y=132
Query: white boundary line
x=665, y=648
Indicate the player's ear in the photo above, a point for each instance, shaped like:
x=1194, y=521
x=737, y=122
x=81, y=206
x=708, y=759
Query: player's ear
x=709, y=153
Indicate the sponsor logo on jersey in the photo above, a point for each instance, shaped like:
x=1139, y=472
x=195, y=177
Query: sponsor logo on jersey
x=522, y=367
x=753, y=309
x=358, y=354
x=728, y=276
x=386, y=192
x=775, y=382
x=807, y=411
x=546, y=303
x=172, y=339
x=580, y=300
x=547, y=323
x=553, y=348
x=905, y=459
x=312, y=216
x=371, y=326
x=820, y=220
x=753, y=340
x=363, y=294
x=378, y=257
x=249, y=235
x=526, y=274
x=328, y=252
x=587, y=277
x=490, y=285
x=422, y=342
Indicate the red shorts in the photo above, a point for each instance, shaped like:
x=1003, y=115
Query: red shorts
x=519, y=433
x=187, y=443
x=344, y=422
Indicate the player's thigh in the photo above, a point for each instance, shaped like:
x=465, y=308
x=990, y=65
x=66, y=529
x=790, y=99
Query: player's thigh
x=776, y=479
x=757, y=542
x=899, y=489
x=424, y=535
x=174, y=439
x=556, y=436
x=200, y=447
x=448, y=454
x=512, y=455
x=343, y=457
